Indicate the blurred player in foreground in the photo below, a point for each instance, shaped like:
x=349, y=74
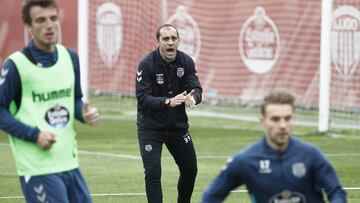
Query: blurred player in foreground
x=278, y=168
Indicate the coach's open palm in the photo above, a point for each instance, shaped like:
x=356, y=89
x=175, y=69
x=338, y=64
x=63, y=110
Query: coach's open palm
x=190, y=101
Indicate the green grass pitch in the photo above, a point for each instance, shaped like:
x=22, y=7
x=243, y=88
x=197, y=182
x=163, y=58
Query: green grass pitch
x=111, y=164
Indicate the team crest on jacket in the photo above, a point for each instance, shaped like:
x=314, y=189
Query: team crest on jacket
x=180, y=72
x=299, y=170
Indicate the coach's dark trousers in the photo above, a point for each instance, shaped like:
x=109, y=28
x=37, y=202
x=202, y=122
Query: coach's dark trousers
x=181, y=147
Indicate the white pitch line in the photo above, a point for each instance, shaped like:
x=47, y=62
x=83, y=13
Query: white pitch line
x=345, y=188
x=127, y=156
x=120, y=194
x=13, y=197
x=143, y=194
x=124, y=156
x=94, y=195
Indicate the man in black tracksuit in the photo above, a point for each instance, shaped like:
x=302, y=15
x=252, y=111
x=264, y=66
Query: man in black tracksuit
x=166, y=83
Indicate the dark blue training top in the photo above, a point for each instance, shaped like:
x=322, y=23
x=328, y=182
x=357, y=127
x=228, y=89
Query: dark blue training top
x=297, y=175
x=10, y=89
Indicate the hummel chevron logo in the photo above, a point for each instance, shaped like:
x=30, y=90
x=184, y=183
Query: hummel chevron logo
x=41, y=198
x=139, y=77
x=39, y=189
x=40, y=193
x=3, y=73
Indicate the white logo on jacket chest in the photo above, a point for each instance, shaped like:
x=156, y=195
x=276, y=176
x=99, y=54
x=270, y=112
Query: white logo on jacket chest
x=299, y=169
x=264, y=166
x=160, y=78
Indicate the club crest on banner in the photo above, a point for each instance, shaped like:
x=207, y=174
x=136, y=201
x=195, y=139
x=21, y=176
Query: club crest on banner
x=345, y=40
x=109, y=32
x=259, y=42
x=189, y=32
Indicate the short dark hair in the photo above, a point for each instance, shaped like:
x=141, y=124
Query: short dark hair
x=165, y=25
x=27, y=4
x=277, y=97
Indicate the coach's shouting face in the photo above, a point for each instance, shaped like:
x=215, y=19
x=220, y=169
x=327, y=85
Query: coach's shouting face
x=168, y=42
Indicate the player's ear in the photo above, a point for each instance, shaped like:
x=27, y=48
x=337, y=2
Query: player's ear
x=262, y=119
x=28, y=29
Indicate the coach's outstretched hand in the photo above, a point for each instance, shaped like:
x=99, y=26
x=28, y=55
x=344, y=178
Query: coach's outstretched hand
x=178, y=99
x=91, y=114
x=45, y=140
x=190, y=101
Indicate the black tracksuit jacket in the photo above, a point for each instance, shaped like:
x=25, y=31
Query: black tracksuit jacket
x=157, y=80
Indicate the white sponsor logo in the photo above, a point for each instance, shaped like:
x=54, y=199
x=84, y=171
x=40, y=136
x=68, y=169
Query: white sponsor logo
x=259, y=42
x=109, y=32
x=345, y=36
x=299, y=170
x=288, y=197
x=264, y=166
x=160, y=78
x=189, y=32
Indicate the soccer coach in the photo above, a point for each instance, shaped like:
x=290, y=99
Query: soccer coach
x=167, y=83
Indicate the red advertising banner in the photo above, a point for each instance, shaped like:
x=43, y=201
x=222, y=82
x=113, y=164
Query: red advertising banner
x=242, y=49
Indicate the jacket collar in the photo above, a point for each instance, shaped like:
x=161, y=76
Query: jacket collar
x=271, y=150
x=162, y=61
